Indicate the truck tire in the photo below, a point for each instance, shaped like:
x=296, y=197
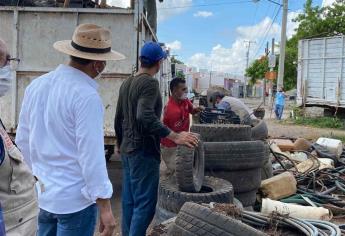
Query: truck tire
x=190, y=167
x=259, y=130
x=197, y=220
x=241, y=180
x=247, y=198
x=213, y=190
x=222, y=132
x=234, y=155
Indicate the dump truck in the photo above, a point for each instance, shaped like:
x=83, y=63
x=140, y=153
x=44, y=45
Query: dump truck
x=30, y=33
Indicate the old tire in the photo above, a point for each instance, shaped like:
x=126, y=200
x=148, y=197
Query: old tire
x=234, y=155
x=222, y=132
x=241, y=180
x=213, y=190
x=247, y=198
x=267, y=169
x=198, y=220
x=190, y=167
x=162, y=215
x=259, y=130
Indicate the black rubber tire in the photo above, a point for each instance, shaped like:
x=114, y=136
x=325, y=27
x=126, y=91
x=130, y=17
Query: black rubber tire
x=267, y=169
x=241, y=180
x=234, y=155
x=162, y=215
x=190, y=167
x=248, y=198
x=259, y=130
x=198, y=220
x=171, y=199
x=222, y=132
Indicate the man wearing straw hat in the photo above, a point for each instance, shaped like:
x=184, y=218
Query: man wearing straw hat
x=60, y=133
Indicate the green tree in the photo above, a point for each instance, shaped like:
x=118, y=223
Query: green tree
x=180, y=74
x=257, y=70
x=175, y=61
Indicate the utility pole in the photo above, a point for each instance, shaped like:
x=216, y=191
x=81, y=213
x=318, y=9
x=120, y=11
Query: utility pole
x=264, y=84
x=270, y=91
x=247, y=65
x=280, y=81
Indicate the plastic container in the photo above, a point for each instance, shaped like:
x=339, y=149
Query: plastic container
x=279, y=186
x=304, y=212
x=328, y=162
x=335, y=146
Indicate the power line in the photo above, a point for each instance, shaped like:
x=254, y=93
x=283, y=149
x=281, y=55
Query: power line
x=206, y=5
x=267, y=31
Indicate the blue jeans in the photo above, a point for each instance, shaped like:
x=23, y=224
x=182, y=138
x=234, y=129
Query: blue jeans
x=75, y=224
x=139, y=192
x=279, y=111
x=2, y=223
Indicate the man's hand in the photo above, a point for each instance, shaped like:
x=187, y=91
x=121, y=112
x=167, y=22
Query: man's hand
x=107, y=220
x=184, y=138
x=117, y=148
x=199, y=109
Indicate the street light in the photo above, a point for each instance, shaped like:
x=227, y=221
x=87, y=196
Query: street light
x=280, y=81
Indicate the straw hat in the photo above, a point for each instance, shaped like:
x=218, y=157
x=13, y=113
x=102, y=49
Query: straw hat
x=91, y=42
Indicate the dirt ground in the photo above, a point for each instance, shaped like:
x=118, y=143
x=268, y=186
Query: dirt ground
x=276, y=129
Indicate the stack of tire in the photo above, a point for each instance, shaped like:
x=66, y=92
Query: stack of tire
x=231, y=154
x=190, y=185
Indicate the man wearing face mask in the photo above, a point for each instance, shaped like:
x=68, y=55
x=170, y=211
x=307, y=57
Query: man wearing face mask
x=176, y=117
x=17, y=184
x=61, y=135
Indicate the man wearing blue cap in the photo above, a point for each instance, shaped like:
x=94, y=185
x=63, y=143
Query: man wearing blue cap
x=139, y=130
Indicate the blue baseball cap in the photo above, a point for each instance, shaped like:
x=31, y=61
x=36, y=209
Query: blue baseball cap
x=152, y=53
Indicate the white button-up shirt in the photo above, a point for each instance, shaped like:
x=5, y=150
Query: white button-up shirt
x=60, y=133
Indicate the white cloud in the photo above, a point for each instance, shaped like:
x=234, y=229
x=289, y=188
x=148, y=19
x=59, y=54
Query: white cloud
x=259, y=30
x=174, y=46
x=169, y=8
x=291, y=26
x=326, y=3
x=233, y=59
x=119, y=3
x=204, y=14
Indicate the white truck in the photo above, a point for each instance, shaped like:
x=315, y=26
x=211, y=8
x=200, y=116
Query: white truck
x=31, y=31
x=321, y=72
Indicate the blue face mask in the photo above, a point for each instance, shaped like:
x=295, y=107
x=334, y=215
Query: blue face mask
x=5, y=80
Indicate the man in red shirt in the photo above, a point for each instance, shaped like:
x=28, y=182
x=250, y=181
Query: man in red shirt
x=176, y=117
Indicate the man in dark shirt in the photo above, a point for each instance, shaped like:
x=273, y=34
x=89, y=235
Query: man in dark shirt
x=139, y=130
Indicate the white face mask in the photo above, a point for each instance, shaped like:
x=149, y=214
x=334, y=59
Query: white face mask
x=99, y=73
x=184, y=96
x=5, y=80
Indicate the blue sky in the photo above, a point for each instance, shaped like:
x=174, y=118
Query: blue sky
x=213, y=36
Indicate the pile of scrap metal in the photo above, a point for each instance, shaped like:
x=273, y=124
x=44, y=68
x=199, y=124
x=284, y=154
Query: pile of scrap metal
x=304, y=195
